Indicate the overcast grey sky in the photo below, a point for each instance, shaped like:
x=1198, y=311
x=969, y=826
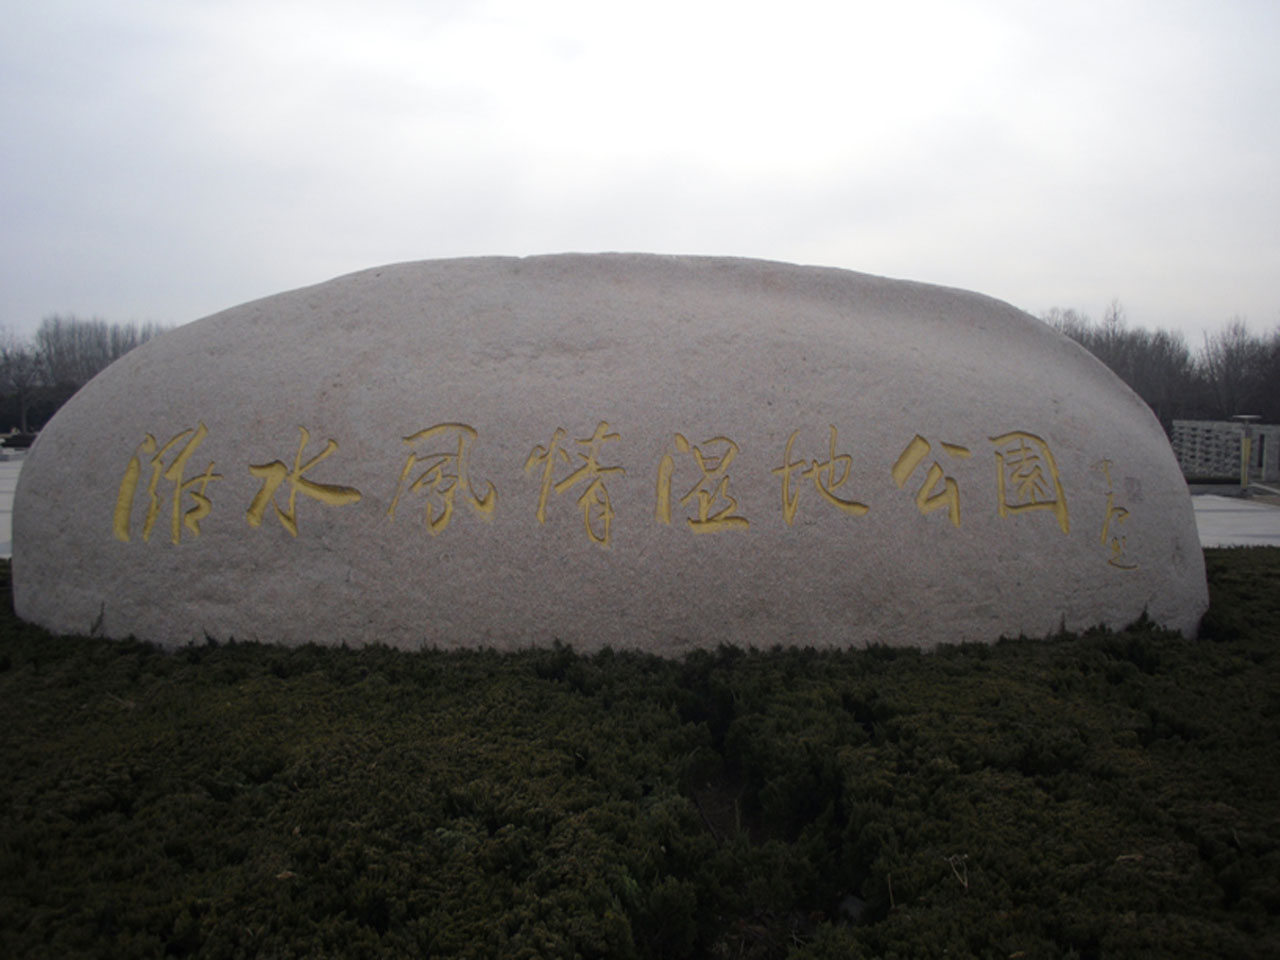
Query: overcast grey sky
x=165, y=159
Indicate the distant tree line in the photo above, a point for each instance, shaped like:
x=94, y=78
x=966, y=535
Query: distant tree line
x=1233, y=372
x=39, y=375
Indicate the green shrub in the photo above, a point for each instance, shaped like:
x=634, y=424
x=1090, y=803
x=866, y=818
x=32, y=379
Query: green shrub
x=1104, y=795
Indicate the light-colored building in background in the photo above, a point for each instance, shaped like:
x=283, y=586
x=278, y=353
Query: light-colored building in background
x=1210, y=449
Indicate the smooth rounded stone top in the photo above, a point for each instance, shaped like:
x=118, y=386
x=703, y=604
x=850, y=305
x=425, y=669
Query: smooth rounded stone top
x=608, y=450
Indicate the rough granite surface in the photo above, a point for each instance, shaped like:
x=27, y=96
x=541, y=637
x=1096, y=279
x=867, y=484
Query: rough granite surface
x=627, y=450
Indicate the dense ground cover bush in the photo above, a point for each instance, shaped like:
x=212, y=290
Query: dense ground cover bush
x=1105, y=795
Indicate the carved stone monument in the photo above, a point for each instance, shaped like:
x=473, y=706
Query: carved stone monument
x=637, y=451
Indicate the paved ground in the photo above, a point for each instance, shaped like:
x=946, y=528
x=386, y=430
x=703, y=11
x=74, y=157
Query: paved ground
x=1222, y=521
x=1233, y=522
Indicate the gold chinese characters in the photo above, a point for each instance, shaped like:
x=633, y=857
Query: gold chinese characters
x=173, y=472
x=697, y=482
x=594, y=501
x=446, y=474
x=275, y=473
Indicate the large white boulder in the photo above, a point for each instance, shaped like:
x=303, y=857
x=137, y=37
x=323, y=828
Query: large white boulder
x=634, y=451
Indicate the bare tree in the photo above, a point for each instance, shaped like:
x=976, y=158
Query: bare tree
x=1233, y=362
x=73, y=350
x=20, y=372
x=1157, y=366
x=1270, y=378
